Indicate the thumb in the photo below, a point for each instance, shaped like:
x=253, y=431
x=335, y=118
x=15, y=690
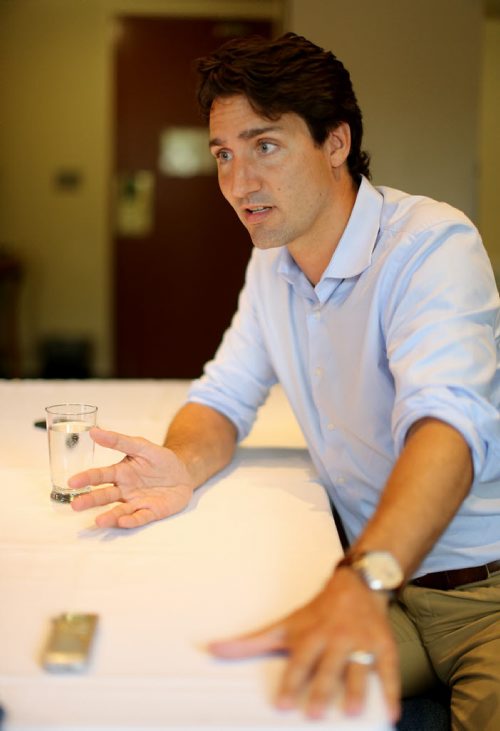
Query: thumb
x=263, y=641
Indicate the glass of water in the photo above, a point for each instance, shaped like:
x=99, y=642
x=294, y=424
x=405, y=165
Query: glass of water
x=71, y=448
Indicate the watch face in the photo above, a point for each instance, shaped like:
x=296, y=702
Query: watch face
x=380, y=570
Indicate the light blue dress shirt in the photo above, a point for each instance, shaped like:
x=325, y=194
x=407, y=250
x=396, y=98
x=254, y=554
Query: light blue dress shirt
x=404, y=323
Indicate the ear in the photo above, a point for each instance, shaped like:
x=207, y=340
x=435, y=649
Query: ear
x=339, y=144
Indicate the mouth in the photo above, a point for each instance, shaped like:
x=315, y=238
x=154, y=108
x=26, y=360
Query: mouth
x=256, y=213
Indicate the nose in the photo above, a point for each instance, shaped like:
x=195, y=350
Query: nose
x=242, y=180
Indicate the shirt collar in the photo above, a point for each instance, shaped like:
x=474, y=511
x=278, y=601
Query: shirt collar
x=291, y=273
x=355, y=248
x=353, y=253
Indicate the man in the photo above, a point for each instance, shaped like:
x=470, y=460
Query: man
x=378, y=314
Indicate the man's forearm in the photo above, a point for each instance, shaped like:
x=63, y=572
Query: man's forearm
x=428, y=484
x=203, y=439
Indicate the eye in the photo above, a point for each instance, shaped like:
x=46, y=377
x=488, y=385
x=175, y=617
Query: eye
x=267, y=147
x=223, y=156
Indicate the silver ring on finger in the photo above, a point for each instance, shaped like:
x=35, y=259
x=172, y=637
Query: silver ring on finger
x=361, y=657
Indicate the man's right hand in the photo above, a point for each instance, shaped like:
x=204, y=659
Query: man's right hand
x=149, y=483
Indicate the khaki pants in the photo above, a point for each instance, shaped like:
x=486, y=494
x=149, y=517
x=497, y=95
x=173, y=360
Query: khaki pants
x=453, y=637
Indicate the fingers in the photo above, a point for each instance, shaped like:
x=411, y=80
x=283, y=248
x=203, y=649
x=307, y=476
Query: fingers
x=390, y=677
x=96, y=498
x=326, y=676
x=355, y=687
x=269, y=639
x=120, y=442
x=298, y=672
x=123, y=515
x=132, y=446
x=130, y=512
x=94, y=476
x=120, y=516
x=136, y=519
x=320, y=667
x=335, y=670
x=326, y=683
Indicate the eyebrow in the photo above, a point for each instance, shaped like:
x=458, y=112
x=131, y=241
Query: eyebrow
x=247, y=134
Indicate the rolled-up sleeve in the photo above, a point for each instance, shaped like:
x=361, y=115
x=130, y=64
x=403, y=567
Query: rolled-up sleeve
x=442, y=334
x=237, y=381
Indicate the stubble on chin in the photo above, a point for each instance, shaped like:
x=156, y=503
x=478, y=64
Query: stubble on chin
x=267, y=240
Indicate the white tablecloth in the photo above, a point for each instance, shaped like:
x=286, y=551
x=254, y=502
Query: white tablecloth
x=257, y=541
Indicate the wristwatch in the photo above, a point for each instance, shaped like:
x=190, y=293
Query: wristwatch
x=379, y=569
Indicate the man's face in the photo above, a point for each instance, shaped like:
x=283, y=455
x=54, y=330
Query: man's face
x=277, y=180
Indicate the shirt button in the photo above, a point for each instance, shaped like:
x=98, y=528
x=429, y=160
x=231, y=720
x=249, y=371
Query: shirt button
x=330, y=426
x=340, y=480
x=317, y=314
x=318, y=371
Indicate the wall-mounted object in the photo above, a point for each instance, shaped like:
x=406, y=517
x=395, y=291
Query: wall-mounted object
x=184, y=152
x=134, y=203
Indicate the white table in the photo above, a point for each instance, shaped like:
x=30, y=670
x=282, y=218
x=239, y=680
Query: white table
x=257, y=541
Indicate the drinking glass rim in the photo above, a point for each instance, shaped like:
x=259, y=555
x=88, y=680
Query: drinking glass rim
x=84, y=409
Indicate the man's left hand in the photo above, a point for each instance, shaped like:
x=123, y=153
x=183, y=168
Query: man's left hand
x=320, y=638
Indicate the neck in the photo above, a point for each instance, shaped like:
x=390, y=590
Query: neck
x=314, y=252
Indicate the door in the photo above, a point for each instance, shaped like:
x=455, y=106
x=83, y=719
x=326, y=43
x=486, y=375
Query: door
x=180, y=251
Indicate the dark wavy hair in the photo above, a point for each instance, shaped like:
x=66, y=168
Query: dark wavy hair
x=289, y=74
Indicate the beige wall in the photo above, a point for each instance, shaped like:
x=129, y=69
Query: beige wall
x=489, y=198
x=415, y=67
x=55, y=84
x=415, y=70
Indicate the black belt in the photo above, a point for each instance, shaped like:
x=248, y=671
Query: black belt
x=446, y=580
